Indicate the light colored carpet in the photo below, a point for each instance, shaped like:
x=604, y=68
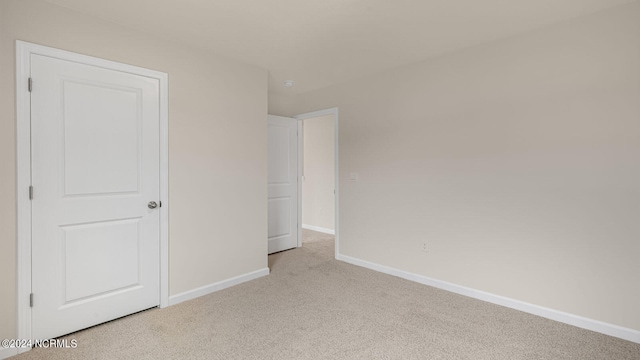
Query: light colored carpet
x=314, y=307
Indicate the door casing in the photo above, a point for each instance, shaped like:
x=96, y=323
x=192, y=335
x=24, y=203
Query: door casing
x=24, y=50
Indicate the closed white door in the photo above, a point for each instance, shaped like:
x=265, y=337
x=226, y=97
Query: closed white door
x=95, y=170
x=283, y=183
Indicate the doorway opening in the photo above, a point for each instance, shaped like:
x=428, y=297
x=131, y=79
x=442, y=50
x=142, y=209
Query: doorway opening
x=318, y=174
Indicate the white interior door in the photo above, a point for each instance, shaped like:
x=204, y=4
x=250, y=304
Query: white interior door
x=95, y=170
x=283, y=183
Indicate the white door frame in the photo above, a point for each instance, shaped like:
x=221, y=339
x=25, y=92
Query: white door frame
x=315, y=114
x=24, y=50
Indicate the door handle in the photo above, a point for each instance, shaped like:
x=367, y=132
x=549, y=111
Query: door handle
x=152, y=205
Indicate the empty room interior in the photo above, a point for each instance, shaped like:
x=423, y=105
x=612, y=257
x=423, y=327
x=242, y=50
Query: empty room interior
x=344, y=179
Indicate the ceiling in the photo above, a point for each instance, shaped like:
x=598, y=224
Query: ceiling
x=318, y=43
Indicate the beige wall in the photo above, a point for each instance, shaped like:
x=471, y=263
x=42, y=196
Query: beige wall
x=318, y=207
x=217, y=143
x=7, y=185
x=281, y=104
x=517, y=161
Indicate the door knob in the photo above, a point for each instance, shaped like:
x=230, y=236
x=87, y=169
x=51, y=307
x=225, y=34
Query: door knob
x=152, y=205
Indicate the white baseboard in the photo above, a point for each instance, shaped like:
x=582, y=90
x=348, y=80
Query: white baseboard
x=571, y=319
x=220, y=285
x=319, y=229
x=7, y=352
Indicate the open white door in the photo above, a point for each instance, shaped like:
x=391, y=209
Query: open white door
x=283, y=183
x=95, y=215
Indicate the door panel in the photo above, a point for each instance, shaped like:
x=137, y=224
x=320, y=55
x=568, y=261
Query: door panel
x=101, y=133
x=95, y=166
x=283, y=183
x=280, y=222
x=90, y=252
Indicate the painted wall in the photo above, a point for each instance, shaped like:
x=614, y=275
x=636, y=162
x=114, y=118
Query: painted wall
x=318, y=202
x=217, y=145
x=518, y=162
x=281, y=104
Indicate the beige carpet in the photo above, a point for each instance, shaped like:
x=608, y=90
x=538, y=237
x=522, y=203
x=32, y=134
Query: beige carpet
x=314, y=307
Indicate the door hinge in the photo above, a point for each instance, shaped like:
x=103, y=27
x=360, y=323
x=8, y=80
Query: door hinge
x=31, y=192
x=160, y=203
x=30, y=84
x=31, y=300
